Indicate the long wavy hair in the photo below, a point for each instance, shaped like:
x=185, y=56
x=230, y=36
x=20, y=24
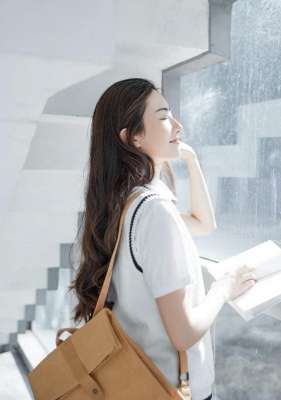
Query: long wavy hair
x=115, y=168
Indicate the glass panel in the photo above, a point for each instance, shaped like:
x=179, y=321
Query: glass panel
x=231, y=114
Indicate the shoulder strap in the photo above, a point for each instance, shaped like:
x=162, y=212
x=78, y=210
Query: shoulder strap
x=106, y=283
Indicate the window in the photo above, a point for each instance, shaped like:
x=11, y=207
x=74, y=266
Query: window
x=231, y=113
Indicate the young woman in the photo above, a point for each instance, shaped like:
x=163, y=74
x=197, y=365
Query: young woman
x=157, y=289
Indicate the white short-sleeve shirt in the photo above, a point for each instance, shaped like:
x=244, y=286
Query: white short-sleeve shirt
x=156, y=256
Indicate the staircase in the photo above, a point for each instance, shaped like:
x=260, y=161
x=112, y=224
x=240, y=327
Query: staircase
x=32, y=337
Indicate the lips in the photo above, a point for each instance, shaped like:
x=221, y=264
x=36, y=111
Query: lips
x=174, y=140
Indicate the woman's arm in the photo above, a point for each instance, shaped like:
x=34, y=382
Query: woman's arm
x=202, y=219
x=184, y=324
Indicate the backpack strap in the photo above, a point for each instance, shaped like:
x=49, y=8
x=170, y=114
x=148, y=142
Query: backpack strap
x=138, y=267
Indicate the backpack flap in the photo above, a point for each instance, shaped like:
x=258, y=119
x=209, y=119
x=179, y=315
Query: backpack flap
x=96, y=341
x=67, y=368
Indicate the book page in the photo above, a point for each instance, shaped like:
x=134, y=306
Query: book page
x=265, y=257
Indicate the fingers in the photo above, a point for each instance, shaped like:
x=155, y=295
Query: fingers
x=247, y=285
x=243, y=273
x=246, y=268
x=247, y=276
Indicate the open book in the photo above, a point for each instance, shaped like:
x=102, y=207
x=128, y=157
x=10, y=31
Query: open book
x=266, y=258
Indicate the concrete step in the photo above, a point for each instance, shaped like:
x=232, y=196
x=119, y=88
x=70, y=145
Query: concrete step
x=31, y=349
x=13, y=386
x=58, y=304
x=58, y=277
x=19, y=310
x=4, y=337
x=18, y=307
x=46, y=337
x=8, y=325
x=12, y=307
x=66, y=255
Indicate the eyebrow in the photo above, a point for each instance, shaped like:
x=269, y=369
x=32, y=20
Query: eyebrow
x=163, y=108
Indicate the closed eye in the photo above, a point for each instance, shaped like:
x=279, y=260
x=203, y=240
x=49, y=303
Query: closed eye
x=163, y=118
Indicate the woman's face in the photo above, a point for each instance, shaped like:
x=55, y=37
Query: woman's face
x=160, y=128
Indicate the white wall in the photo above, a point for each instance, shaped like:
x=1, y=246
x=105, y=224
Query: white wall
x=57, y=58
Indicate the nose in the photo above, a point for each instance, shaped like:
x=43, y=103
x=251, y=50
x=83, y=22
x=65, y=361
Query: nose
x=178, y=124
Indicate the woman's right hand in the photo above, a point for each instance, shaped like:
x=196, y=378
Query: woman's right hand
x=233, y=284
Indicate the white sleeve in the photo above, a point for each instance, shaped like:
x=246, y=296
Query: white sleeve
x=162, y=248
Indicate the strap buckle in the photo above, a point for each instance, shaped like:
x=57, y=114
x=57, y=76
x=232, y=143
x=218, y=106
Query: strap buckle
x=184, y=386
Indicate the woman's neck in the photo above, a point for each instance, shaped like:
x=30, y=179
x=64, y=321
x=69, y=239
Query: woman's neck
x=157, y=169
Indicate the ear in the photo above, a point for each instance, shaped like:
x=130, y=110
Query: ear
x=123, y=135
x=137, y=139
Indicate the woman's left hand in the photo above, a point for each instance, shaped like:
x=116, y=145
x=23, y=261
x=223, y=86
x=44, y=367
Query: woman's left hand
x=186, y=151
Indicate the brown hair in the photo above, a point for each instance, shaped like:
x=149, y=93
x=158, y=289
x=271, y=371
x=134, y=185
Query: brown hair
x=115, y=168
